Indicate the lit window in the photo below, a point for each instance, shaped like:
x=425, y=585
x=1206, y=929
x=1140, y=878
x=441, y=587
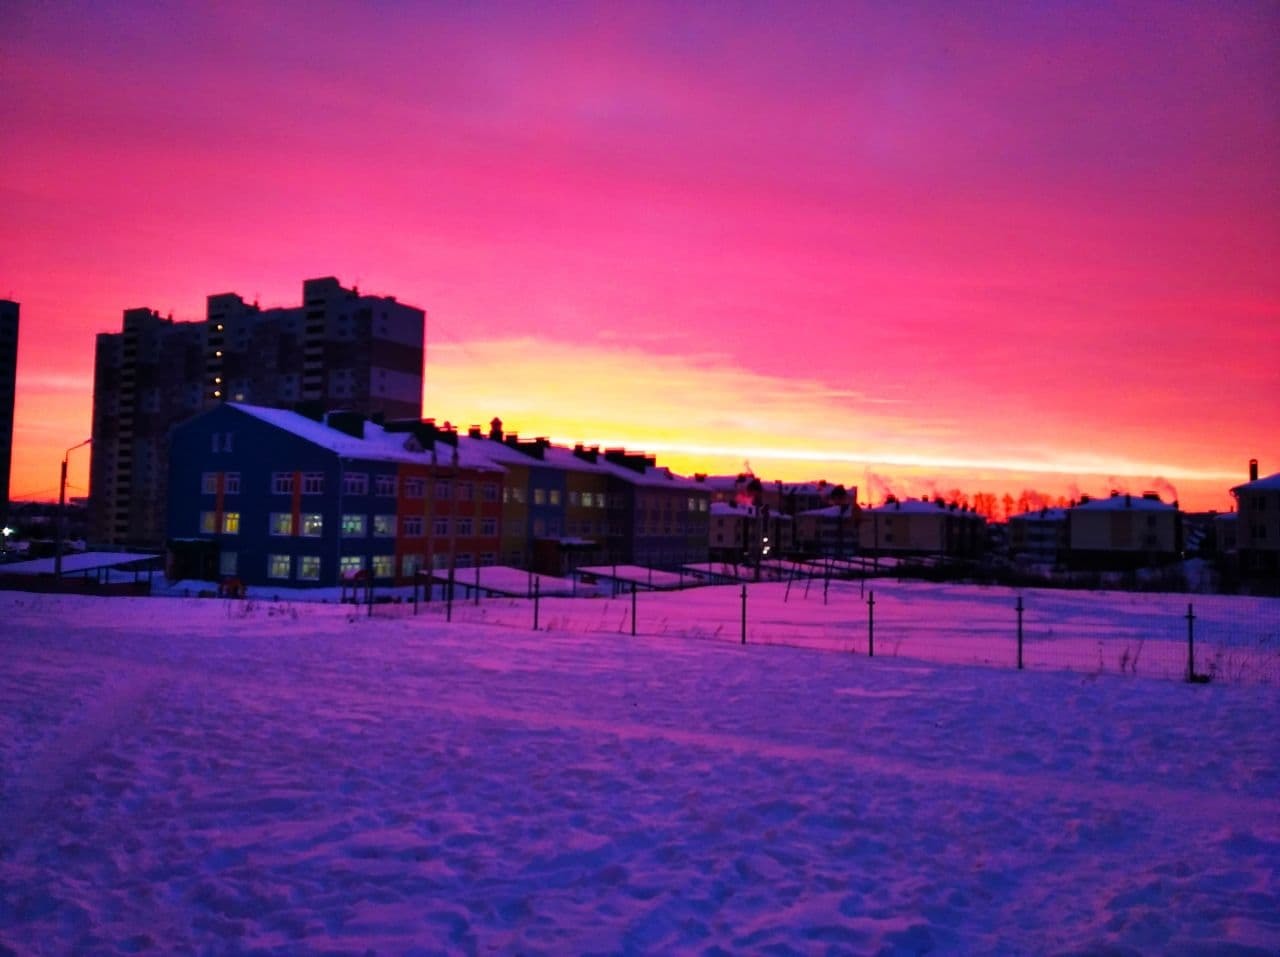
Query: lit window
x=384, y=526
x=355, y=483
x=281, y=523
x=309, y=568
x=555, y=496
x=282, y=483
x=312, y=524
x=409, y=565
x=353, y=526
x=313, y=483
x=209, y=522
x=231, y=523
x=539, y=496
x=349, y=565
x=279, y=566
x=209, y=483
x=384, y=566
x=411, y=526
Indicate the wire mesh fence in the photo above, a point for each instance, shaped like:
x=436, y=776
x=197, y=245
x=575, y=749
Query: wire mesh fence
x=1168, y=636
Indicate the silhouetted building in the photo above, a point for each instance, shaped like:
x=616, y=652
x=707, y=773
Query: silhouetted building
x=1258, y=526
x=8, y=378
x=339, y=349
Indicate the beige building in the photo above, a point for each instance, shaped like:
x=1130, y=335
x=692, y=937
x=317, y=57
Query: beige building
x=922, y=527
x=1123, y=531
x=1258, y=525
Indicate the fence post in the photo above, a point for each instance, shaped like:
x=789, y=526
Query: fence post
x=871, y=624
x=633, y=608
x=477, y=582
x=744, y=614
x=448, y=596
x=537, y=591
x=1191, y=644
x=1019, y=632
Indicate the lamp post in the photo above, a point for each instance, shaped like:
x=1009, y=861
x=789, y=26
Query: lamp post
x=62, y=510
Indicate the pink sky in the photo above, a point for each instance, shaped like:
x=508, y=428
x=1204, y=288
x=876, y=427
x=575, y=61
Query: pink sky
x=945, y=247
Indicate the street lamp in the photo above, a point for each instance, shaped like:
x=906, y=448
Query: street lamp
x=62, y=509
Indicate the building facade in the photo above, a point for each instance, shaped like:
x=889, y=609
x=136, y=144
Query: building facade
x=922, y=528
x=1123, y=531
x=8, y=394
x=339, y=349
x=272, y=497
x=1258, y=526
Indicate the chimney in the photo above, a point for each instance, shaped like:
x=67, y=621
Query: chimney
x=475, y=432
x=1253, y=470
x=495, y=429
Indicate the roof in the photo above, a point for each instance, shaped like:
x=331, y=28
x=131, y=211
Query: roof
x=1270, y=483
x=377, y=444
x=1133, y=503
x=1041, y=515
x=77, y=562
x=744, y=511
x=831, y=511
x=914, y=506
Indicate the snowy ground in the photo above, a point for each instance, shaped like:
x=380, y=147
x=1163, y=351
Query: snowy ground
x=185, y=775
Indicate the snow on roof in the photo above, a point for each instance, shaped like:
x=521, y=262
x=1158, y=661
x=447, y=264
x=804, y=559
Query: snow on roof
x=913, y=506
x=830, y=511
x=1120, y=502
x=1041, y=515
x=77, y=562
x=376, y=444
x=743, y=511
x=1269, y=483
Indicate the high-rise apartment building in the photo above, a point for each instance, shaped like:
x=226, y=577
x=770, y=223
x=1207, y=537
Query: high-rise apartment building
x=339, y=349
x=8, y=381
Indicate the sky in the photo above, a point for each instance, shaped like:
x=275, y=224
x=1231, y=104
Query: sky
x=907, y=247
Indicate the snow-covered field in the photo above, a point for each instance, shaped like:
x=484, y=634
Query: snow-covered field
x=187, y=775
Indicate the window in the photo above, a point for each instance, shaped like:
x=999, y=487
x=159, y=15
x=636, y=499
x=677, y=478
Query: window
x=464, y=491
x=281, y=523
x=440, y=527
x=411, y=526
x=309, y=568
x=279, y=566
x=414, y=487
x=575, y=498
x=409, y=565
x=463, y=560
x=348, y=565
x=488, y=558
x=384, y=566
x=313, y=483
x=355, y=483
x=464, y=526
x=442, y=489
x=539, y=496
x=312, y=524
x=209, y=522
x=282, y=483
x=488, y=526
x=555, y=496
x=353, y=526
x=384, y=526
x=489, y=491
x=230, y=523
x=231, y=483
x=209, y=483
x=227, y=563
x=384, y=485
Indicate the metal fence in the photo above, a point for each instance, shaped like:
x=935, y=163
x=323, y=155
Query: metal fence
x=1167, y=636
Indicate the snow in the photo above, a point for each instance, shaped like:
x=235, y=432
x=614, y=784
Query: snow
x=187, y=775
x=74, y=562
